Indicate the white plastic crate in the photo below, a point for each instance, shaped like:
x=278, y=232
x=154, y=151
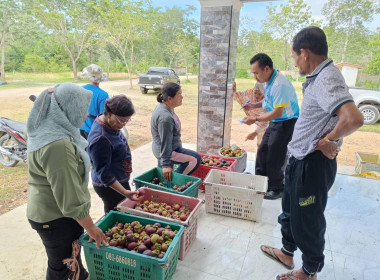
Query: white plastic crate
x=235, y=194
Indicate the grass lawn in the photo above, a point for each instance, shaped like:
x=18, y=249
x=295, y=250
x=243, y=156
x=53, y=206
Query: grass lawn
x=371, y=128
x=26, y=80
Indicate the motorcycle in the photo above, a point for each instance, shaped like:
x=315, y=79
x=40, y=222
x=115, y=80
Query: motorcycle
x=12, y=141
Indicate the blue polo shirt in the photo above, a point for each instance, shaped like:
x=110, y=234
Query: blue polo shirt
x=98, y=99
x=279, y=92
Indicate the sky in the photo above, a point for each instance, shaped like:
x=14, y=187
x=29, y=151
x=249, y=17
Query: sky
x=257, y=10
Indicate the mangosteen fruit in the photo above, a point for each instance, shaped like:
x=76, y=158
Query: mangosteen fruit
x=148, y=253
x=150, y=230
x=141, y=192
x=132, y=246
x=164, y=247
x=154, y=238
x=148, y=243
x=141, y=248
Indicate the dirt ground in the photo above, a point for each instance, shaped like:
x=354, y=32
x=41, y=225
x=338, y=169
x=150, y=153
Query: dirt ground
x=14, y=104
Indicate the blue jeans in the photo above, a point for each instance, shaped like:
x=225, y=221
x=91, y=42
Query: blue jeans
x=187, y=160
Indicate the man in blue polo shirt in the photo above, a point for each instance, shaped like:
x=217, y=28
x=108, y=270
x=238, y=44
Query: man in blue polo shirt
x=95, y=74
x=283, y=110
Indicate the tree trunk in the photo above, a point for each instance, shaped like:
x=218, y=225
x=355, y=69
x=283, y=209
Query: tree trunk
x=129, y=72
x=91, y=55
x=187, y=74
x=2, y=66
x=132, y=67
x=346, y=40
x=75, y=72
x=286, y=56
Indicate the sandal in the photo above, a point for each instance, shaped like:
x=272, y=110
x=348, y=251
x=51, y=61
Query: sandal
x=290, y=276
x=273, y=256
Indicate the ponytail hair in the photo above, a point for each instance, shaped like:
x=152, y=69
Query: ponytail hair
x=169, y=89
x=160, y=97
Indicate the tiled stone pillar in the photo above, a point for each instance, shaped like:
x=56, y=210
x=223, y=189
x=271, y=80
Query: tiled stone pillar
x=217, y=60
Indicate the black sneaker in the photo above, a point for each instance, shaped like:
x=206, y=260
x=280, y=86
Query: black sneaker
x=272, y=195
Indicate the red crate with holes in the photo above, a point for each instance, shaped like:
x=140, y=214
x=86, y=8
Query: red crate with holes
x=202, y=171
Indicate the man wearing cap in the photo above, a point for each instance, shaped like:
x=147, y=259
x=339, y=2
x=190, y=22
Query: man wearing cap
x=95, y=74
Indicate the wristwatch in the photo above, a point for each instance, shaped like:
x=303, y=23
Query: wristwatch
x=328, y=141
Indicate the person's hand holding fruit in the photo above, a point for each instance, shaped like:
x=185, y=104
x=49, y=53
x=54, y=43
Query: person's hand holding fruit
x=167, y=172
x=132, y=195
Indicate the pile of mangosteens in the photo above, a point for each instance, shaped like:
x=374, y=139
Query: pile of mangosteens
x=151, y=240
x=174, y=211
x=215, y=162
x=183, y=187
x=177, y=188
x=157, y=181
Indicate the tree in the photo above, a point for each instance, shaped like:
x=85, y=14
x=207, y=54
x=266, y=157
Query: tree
x=106, y=61
x=9, y=18
x=355, y=52
x=71, y=23
x=348, y=15
x=252, y=42
x=286, y=22
x=123, y=24
x=34, y=63
x=182, y=49
x=374, y=44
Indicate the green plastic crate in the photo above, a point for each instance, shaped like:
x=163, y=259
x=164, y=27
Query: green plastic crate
x=111, y=263
x=146, y=178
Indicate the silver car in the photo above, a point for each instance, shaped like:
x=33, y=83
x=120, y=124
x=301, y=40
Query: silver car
x=368, y=102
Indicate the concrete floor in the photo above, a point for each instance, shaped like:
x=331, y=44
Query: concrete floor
x=228, y=248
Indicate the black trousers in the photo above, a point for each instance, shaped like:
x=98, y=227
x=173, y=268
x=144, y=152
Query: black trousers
x=57, y=237
x=302, y=220
x=110, y=197
x=271, y=155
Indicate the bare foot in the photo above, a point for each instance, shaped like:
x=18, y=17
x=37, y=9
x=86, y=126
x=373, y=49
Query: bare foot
x=299, y=274
x=288, y=260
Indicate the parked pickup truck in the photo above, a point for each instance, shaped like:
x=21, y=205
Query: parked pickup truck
x=156, y=78
x=368, y=102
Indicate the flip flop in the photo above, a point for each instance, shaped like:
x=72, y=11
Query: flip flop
x=273, y=256
x=290, y=276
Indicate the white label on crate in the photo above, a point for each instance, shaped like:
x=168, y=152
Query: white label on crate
x=120, y=259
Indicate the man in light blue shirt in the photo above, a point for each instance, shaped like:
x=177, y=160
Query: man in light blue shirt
x=283, y=110
x=95, y=74
x=280, y=93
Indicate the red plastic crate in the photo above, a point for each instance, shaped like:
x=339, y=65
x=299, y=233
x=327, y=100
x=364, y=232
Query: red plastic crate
x=191, y=224
x=202, y=171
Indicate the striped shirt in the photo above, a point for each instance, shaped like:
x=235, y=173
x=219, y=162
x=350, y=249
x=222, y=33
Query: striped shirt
x=324, y=92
